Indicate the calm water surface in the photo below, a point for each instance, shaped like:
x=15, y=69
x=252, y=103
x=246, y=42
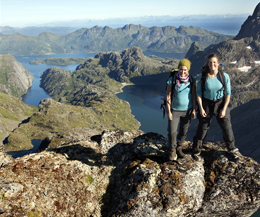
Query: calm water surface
x=145, y=105
x=35, y=94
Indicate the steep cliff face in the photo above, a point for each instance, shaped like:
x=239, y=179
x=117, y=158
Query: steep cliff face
x=14, y=78
x=250, y=28
x=125, y=173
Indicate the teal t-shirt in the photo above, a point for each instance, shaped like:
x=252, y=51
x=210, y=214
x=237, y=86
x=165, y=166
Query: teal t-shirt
x=213, y=87
x=182, y=98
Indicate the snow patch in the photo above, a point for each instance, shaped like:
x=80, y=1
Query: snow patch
x=233, y=62
x=244, y=68
x=257, y=62
x=251, y=83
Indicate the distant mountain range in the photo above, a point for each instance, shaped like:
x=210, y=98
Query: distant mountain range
x=34, y=31
x=166, y=39
x=224, y=24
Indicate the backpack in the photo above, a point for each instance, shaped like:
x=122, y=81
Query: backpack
x=173, y=76
x=221, y=76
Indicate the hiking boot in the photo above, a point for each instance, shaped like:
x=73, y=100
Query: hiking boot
x=172, y=154
x=179, y=152
x=196, y=156
x=235, y=154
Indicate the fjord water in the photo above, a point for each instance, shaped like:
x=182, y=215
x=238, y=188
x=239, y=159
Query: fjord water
x=145, y=105
x=144, y=102
x=35, y=94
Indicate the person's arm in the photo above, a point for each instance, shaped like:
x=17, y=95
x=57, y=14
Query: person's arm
x=168, y=101
x=202, y=111
x=194, y=102
x=222, y=113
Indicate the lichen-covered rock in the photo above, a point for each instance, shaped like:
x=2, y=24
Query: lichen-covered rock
x=126, y=173
x=112, y=137
x=68, y=181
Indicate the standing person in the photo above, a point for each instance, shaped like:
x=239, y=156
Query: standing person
x=180, y=104
x=213, y=97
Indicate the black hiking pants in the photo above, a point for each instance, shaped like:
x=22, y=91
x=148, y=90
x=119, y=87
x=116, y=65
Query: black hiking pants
x=213, y=108
x=182, y=120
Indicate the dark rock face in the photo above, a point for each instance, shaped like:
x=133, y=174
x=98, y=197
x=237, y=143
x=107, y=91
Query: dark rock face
x=250, y=28
x=194, y=48
x=125, y=173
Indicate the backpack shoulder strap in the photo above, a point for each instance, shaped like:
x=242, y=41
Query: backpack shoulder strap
x=191, y=79
x=173, y=82
x=172, y=75
x=203, y=82
x=222, y=79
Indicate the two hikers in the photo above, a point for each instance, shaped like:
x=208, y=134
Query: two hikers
x=213, y=96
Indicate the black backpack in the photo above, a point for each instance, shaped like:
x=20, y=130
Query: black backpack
x=173, y=76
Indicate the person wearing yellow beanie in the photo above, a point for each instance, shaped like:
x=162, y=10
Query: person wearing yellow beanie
x=181, y=103
x=184, y=62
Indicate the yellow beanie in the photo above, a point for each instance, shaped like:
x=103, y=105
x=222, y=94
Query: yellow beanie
x=185, y=62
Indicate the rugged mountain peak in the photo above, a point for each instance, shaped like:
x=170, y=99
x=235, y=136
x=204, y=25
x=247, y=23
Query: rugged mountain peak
x=133, y=27
x=251, y=27
x=257, y=11
x=193, y=49
x=135, y=52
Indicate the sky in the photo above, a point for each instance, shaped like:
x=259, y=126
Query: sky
x=22, y=13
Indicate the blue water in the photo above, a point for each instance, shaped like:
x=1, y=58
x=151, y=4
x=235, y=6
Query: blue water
x=36, y=144
x=145, y=106
x=35, y=94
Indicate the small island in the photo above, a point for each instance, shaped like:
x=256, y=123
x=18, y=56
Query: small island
x=59, y=61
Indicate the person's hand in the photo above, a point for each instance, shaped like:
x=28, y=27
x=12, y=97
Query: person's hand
x=203, y=113
x=193, y=114
x=222, y=113
x=170, y=116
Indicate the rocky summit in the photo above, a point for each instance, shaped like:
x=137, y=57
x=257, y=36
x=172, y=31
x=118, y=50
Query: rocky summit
x=126, y=173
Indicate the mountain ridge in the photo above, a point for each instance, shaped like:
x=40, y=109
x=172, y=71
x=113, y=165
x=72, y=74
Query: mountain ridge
x=97, y=39
x=230, y=24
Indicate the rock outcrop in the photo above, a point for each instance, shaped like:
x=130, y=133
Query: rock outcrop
x=125, y=173
x=15, y=79
x=250, y=28
x=194, y=48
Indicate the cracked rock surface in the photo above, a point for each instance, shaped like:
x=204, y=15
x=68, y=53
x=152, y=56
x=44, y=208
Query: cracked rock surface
x=126, y=173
